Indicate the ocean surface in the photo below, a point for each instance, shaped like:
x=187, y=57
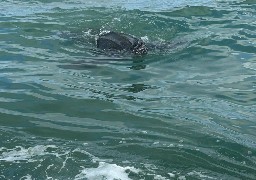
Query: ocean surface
x=186, y=110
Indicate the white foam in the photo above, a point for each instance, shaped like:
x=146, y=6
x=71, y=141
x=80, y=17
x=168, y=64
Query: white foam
x=200, y=175
x=106, y=171
x=20, y=153
x=27, y=177
x=182, y=178
x=159, y=177
x=145, y=38
x=172, y=175
x=104, y=32
x=250, y=65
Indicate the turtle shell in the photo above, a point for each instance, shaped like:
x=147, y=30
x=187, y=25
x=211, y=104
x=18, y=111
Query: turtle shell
x=120, y=41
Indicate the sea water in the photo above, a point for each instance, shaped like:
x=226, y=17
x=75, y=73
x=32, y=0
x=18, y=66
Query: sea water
x=186, y=110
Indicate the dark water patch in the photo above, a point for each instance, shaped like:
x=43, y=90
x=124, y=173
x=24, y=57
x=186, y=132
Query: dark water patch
x=235, y=44
x=248, y=34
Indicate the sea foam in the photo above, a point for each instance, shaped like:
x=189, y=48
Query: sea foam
x=107, y=171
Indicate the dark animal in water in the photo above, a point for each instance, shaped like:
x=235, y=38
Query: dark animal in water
x=121, y=42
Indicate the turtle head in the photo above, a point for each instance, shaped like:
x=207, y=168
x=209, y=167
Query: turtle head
x=139, y=48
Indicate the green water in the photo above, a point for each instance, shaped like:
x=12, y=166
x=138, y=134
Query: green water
x=70, y=111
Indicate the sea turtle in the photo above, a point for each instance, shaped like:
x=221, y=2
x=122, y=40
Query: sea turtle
x=121, y=42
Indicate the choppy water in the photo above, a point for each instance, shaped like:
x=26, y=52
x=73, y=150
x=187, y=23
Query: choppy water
x=68, y=111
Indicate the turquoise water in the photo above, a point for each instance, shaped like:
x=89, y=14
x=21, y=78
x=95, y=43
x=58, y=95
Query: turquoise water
x=70, y=111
